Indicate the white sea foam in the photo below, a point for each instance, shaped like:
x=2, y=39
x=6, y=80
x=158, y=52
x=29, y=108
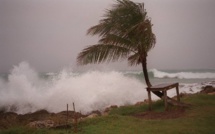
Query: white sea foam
x=183, y=75
x=26, y=92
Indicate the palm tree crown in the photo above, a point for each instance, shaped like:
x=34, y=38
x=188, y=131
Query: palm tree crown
x=125, y=32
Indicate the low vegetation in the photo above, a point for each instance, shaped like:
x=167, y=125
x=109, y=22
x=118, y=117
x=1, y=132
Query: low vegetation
x=197, y=119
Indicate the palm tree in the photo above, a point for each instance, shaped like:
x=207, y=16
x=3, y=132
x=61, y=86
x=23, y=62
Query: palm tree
x=125, y=33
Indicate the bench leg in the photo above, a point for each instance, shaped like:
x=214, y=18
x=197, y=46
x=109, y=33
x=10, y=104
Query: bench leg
x=150, y=100
x=165, y=100
x=177, y=91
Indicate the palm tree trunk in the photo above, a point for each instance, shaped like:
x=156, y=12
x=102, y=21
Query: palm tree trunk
x=146, y=76
x=145, y=72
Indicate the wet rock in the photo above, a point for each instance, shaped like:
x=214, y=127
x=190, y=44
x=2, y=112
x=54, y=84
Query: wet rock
x=96, y=112
x=8, y=119
x=8, y=115
x=66, y=126
x=93, y=115
x=41, y=124
x=181, y=95
x=208, y=89
x=35, y=116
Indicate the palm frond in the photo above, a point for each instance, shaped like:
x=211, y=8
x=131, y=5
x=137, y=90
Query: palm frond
x=100, y=29
x=142, y=34
x=134, y=59
x=124, y=29
x=118, y=41
x=117, y=20
x=102, y=53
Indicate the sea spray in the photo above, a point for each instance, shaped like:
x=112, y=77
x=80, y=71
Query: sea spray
x=23, y=90
x=26, y=92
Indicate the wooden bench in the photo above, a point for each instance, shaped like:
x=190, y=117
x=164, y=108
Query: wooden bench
x=163, y=88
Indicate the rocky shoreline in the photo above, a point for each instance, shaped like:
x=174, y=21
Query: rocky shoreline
x=45, y=119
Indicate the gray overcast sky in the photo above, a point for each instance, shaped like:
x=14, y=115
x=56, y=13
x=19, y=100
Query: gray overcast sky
x=50, y=33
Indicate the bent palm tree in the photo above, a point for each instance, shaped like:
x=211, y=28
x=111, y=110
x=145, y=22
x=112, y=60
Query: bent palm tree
x=125, y=32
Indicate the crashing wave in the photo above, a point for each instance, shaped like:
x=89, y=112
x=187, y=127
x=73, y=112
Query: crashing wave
x=25, y=91
x=183, y=75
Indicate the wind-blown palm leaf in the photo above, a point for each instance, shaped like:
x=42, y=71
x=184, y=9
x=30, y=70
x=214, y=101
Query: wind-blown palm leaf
x=142, y=35
x=134, y=59
x=121, y=17
x=103, y=28
x=118, y=41
x=101, y=53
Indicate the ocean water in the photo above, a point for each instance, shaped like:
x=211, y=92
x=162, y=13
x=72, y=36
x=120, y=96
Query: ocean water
x=25, y=90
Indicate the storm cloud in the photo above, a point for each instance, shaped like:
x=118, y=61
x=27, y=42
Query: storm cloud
x=50, y=33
